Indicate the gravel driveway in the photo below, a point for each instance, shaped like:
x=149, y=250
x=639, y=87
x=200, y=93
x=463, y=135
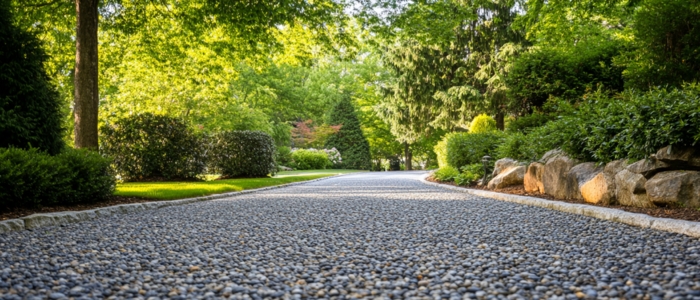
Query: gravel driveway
x=358, y=236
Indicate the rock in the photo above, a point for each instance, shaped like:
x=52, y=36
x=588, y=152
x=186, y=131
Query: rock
x=11, y=225
x=512, y=176
x=555, y=177
x=503, y=165
x=579, y=175
x=677, y=188
x=679, y=156
x=533, y=178
x=614, y=167
x=648, y=167
x=283, y=168
x=630, y=189
x=599, y=190
x=551, y=154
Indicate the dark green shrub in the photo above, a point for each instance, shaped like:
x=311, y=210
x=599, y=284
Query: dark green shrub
x=468, y=148
x=153, y=147
x=349, y=140
x=243, y=154
x=632, y=125
x=30, y=178
x=394, y=164
x=306, y=159
x=283, y=156
x=447, y=173
x=528, y=122
x=30, y=113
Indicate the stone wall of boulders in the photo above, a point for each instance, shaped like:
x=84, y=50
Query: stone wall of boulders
x=671, y=177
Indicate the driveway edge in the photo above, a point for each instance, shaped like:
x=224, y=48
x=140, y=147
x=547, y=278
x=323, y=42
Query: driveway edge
x=66, y=217
x=610, y=214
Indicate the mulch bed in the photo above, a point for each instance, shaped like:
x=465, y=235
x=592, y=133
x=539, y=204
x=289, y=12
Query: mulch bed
x=680, y=213
x=6, y=214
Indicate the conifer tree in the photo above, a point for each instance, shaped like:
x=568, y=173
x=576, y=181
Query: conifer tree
x=29, y=106
x=349, y=140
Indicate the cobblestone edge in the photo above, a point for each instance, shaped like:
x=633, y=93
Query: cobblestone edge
x=640, y=220
x=60, y=218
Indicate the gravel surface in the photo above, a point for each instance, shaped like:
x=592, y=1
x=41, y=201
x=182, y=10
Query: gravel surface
x=367, y=235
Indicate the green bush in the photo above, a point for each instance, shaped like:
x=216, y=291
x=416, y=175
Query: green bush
x=31, y=178
x=528, y=122
x=153, y=147
x=30, y=114
x=468, y=148
x=632, y=125
x=440, y=150
x=447, y=173
x=470, y=174
x=349, y=140
x=482, y=123
x=242, y=154
x=283, y=157
x=304, y=159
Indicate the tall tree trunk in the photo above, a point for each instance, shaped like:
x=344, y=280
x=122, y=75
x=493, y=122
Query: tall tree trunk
x=500, y=121
x=86, y=98
x=408, y=155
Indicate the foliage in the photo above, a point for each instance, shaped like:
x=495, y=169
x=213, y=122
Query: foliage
x=482, y=123
x=632, y=125
x=31, y=178
x=447, y=173
x=517, y=146
x=665, y=44
x=470, y=174
x=148, y=146
x=335, y=157
x=30, y=114
x=525, y=123
x=306, y=135
x=310, y=159
x=283, y=157
x=242, y=154
x=349, y=140
x=468, y=148
x=441, y=151
x=543, y=73
x=178, y=190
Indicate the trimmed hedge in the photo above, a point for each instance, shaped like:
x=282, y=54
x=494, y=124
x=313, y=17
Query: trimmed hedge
x=153, y=147
x=31, y=178
x=468, y=148
x=307, y=159
x=243, y=154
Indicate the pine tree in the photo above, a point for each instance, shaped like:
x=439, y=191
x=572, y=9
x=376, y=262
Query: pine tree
x=349, y=140
x=29, y=106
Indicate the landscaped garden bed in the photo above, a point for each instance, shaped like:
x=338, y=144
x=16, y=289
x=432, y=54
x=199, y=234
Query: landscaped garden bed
x=680, y=213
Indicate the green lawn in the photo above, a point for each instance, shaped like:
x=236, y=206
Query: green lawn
x=179, y=190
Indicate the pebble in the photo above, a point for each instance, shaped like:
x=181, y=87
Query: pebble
x=371, y=235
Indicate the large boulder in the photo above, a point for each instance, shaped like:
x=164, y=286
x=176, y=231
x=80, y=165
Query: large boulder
x=600, y=189
x=648, y=167
x=512, y=176
x=679, y=157
x=533, y=178
x=676, y=188
x=630, y=189
x=555, y=176
x=614, y=167
x=503, y=165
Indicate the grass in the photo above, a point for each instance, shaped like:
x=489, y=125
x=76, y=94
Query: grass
x=179, y=190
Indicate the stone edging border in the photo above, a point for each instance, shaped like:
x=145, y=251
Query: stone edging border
x=60, y=218
x=640, y=220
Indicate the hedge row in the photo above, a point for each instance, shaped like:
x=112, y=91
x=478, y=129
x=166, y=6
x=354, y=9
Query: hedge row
x=154, y=147
x=31, y=178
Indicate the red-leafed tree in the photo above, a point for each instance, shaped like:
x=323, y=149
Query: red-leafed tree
x=306, y=135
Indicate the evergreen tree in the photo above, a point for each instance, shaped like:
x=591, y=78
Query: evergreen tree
x=349, y=140
x=29, y=106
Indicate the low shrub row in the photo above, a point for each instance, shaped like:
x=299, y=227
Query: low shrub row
x=310, y=159
x=153, y=147
x=31, y=178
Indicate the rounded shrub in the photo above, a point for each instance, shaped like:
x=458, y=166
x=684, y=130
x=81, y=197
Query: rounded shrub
x=283, y=157
x=468, y=148
x=153, y=147
x=31, y=178
x=446, y=173
x=30, y=114
x=309, y=159
x=243, y=154
x=482, y=123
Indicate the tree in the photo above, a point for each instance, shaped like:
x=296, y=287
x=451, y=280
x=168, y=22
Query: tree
x=29, y=105
x=85, y=108
x=349, y=140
